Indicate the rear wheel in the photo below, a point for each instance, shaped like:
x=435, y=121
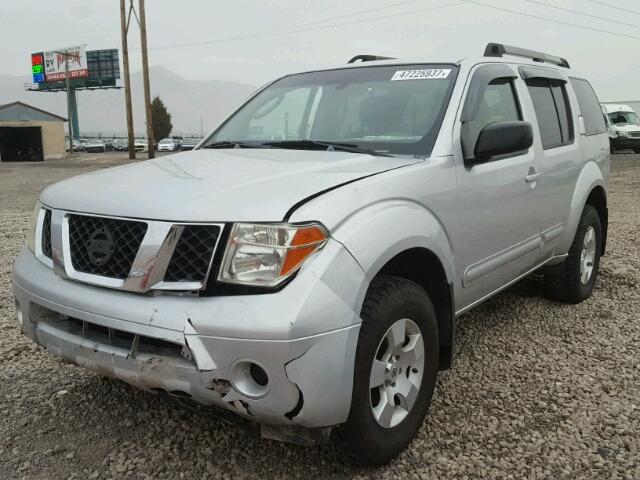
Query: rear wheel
x=395, y=372
x=573, y=280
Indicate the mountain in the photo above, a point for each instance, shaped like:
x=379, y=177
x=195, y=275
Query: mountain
x=104, y=110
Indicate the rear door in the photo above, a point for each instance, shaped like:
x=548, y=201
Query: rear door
x=556, y=147
x=499, y=233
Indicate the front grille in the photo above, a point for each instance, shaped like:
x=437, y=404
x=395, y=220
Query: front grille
x=634, y=134
x=135, y=344
x=46, y=234
x=192, y=256
x=104, y=246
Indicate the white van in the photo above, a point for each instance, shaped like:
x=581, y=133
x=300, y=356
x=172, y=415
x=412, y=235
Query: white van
x=623, y=125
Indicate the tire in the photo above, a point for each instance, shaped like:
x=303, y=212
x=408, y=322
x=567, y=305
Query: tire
x=568, y=281
x=636, y=150
x=390, y=301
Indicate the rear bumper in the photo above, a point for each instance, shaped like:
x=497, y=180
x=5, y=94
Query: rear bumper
x=116, y=333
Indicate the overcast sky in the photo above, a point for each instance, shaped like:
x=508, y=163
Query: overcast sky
x=334, y=30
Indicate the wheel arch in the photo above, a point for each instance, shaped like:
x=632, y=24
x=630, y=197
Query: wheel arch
x=598, y=199
x=423, y=267
x=590, y=189
x=405, y=239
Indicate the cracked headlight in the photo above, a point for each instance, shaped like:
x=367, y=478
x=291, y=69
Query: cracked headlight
x=265, y=255
x=31, y=235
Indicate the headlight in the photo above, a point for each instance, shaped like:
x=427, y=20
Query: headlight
x=265, y=255
x=31, y=236
x=622, y=134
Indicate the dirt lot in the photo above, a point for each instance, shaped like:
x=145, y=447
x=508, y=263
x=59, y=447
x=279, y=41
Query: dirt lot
x=538, y=389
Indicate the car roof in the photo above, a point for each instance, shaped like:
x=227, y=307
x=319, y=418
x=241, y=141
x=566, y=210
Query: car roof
x=464, y=63
x=616, y=107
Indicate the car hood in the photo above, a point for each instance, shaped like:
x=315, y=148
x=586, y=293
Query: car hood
x=215, y=185
x=627, y=128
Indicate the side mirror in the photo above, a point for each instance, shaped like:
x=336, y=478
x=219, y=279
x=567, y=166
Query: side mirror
x=502, y=138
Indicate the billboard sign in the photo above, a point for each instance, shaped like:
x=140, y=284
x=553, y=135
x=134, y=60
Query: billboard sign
x=103, y=64
x=53, y=64
x=87, y=69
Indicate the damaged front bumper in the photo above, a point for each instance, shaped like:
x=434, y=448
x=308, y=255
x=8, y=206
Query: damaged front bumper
x=284, y=359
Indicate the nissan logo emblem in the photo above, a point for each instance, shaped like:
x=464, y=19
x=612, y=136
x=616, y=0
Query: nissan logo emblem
x=100, y=246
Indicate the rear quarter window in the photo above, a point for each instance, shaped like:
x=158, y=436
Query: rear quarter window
x=589, y=107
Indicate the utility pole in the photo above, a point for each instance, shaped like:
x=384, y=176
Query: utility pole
x=124, y=30
x=69, y=119
x=145, y=74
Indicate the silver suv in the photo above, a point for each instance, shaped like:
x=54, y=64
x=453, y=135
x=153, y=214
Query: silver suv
x=304, y=266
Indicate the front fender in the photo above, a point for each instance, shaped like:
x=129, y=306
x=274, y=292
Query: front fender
x=590, y=177
x=379, y=232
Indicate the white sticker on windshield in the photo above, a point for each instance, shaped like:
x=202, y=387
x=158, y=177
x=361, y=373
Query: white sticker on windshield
x=425, y=74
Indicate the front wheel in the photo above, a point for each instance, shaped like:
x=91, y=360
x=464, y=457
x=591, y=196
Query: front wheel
x=573, y=280
x=395, y=371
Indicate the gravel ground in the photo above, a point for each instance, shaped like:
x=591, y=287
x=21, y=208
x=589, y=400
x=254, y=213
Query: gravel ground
x=538, y=389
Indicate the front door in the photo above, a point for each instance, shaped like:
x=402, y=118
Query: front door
x=498, y=238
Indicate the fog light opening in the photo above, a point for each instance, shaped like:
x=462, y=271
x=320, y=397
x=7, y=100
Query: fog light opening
x=249, y=379
x=258, y=374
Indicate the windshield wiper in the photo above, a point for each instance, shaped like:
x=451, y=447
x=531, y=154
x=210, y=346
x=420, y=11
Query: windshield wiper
x=235, y=144
x=320, y=145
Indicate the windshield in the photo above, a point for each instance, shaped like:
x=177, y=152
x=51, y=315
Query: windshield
x=393, y=109
x=624, y=118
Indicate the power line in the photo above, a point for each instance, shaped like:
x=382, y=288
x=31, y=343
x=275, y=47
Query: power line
x=280, y=30
x=635, y=12
x=340, y=17
x=296, y=29
x=559, y=22
x=577, y=12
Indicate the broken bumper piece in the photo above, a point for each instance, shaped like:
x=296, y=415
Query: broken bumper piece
x=288, y=385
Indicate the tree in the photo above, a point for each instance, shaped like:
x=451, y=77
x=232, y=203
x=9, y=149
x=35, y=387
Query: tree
x=160, y=119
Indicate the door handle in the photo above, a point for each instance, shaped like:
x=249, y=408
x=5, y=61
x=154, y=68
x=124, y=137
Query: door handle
x=532, y=176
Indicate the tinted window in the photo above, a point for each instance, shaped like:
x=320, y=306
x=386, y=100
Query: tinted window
x=589, y=106
x=552, y=111
x=564, y=111
x=499, y=104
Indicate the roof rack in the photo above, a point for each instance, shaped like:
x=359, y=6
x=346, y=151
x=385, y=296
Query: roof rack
x=498, y=50
x=368, y=58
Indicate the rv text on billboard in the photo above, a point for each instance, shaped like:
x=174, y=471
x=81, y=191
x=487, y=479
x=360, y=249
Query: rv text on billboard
x=51, y=66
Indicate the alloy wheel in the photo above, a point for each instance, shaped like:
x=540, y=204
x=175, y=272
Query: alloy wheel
x=396, y=373
x=588, y=255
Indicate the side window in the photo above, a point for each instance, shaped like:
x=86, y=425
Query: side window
x=553, y=112
x=499, y=104
x=563, y=106
x=589, y=107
